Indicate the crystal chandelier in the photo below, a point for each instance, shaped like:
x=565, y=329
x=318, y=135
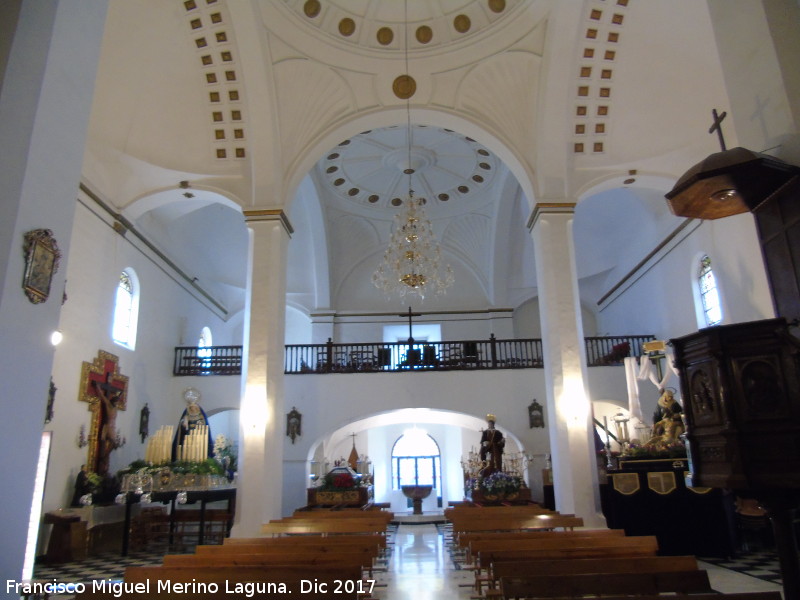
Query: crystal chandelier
x=412, y=261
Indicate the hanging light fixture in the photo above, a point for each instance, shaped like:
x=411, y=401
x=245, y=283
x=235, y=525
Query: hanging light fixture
x=412, y=261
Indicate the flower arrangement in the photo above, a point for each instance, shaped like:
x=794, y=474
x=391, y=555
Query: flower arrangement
x=500, y=483
x=653, y=451
x=225, y=453
x=338, y=481
x=208, y=466
x=94, y=482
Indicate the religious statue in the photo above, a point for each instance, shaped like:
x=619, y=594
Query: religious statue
x=492, y=445
x=109, y=405
x=105, y=390
x=669, y=427
x=192, y=417
x=144, y=422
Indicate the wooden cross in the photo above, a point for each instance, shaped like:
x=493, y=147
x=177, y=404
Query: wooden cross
x=102, y=374
x=717, y=126
x=409, y=315
x=107, y=379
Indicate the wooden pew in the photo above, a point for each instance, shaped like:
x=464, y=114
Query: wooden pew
x=309, y=558
x=301, y=540
x=367, y=551
x=525, y=509
x=366, y=548
x=465, y=539
x=227, y=577
x=379, y=522
x=486, y=554
x=628, y=564
x=342, y=514
x=516, y=523
x=575, y=585
x=326, y=527
x=643, y=548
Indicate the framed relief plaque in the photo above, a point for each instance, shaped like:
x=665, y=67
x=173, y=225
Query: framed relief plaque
x=41, y=261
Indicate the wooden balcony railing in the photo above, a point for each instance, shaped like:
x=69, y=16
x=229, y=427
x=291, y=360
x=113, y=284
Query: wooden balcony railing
x=212, y=360
x=401, y=356
x=416, y=356
x=612, y=350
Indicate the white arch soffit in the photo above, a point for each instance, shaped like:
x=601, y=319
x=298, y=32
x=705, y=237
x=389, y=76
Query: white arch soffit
x=658, y=182
x=397, y=115
x=412, y=416
x=172, y=197
x=319, y=235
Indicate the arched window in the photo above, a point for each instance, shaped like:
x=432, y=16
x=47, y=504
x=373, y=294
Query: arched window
x=416, y=461
x=709, y=294
x=204, y=348
x=126, y=309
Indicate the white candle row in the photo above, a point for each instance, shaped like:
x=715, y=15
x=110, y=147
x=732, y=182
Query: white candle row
x=195, y=445
x=159, y=447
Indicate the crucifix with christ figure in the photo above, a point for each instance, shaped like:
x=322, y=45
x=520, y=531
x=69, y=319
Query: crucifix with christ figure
x=106, y=391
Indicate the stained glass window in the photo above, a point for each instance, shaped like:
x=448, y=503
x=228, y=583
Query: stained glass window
x=709, y=294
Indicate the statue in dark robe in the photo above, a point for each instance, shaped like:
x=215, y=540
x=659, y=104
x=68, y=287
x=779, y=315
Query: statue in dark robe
x=492, y=445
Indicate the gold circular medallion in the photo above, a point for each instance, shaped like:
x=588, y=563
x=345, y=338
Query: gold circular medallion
x=385, y=36
x=347, y=27
x=312, y=8
x=462, y=23
x=424, y=34
x=497, y=6
x=404, y=87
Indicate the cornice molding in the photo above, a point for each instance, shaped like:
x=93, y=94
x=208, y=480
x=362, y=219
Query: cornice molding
x=550, y=208
x=269, y=214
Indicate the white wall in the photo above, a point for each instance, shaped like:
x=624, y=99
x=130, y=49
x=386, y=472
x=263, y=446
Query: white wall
x=659, y=300
x=97, y=256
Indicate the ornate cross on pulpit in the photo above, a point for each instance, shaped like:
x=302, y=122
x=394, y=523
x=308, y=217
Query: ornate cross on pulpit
x=106, y=391
x=717, y=126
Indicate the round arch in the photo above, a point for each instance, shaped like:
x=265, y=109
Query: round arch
x=374, y=435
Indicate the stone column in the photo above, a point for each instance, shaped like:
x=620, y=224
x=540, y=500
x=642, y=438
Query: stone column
x=260, y=476
x=568, y=411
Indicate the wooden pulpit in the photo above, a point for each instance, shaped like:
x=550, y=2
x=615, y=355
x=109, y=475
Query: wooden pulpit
x=740, y=386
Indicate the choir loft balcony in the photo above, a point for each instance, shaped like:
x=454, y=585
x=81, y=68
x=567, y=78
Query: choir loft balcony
x=393, y=357
x=447, y=356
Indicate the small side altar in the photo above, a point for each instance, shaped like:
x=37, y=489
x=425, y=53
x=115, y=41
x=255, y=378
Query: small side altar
x=341, y=486
x=355, y=497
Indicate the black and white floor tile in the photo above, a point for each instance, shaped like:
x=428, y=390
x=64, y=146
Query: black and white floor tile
x=760, y=564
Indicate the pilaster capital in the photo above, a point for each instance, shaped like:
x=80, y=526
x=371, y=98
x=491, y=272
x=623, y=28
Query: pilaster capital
x=269, y=214
x=550, y=208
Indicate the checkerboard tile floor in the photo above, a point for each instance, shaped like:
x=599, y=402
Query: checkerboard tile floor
x=102, y=566
x=760, y=564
